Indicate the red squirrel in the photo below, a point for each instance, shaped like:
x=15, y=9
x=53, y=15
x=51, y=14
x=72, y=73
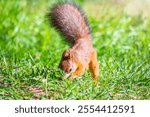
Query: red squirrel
x=71, y=22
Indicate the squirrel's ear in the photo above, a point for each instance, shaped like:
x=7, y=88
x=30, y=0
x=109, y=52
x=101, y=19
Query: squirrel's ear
x=66, y=54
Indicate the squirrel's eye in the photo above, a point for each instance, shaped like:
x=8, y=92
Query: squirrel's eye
x=70, y=69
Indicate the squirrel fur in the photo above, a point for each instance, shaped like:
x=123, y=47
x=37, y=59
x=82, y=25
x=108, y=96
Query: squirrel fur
x=71, y=22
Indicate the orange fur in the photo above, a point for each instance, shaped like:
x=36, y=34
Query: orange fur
x=70, y=21
x=85, y=57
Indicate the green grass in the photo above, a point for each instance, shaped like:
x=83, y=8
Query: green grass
x=30, y=52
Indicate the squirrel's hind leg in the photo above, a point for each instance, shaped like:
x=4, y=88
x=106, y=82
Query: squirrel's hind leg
x=94, y=67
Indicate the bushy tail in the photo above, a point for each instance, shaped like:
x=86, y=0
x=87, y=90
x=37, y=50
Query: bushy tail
x=70, y=21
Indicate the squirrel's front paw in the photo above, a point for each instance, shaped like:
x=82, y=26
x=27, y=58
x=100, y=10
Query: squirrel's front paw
x=72, y=77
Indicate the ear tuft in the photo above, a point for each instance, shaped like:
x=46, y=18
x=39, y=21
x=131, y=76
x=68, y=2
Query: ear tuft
x=66, y=54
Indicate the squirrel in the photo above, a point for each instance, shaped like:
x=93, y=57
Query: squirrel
x=72, y=23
